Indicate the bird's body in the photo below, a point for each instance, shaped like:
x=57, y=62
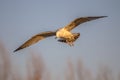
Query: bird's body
x=64, y=33
x=70, y=40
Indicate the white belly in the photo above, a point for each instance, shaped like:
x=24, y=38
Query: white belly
x=62, y=33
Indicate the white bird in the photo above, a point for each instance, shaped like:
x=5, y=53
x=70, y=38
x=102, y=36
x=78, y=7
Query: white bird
x=63, y=34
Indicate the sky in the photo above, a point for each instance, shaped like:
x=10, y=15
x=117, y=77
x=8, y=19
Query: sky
x=99, y=42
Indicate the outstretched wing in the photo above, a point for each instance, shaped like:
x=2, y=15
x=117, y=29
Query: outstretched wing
x=35, y=39
x=81, y=20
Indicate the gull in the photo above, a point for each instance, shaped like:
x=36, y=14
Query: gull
x=64, y=34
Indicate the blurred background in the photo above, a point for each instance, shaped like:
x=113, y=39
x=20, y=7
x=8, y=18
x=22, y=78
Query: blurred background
x=95, y=54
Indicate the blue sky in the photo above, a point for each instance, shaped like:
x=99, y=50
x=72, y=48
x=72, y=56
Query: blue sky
x=99, y=42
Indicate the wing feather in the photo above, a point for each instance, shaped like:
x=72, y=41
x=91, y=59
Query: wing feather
x=81, y=20
x=35, y=39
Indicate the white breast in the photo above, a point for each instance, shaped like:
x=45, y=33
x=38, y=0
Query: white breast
x=62, y=33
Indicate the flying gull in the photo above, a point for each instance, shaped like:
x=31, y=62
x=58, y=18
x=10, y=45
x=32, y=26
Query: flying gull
x=64, y=34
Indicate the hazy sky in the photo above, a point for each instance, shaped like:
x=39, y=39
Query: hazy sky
x=99, y=42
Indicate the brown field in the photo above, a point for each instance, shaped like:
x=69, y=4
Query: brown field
x=36, y=70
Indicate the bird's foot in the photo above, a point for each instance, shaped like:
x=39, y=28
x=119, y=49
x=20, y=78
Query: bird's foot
x=70, y=44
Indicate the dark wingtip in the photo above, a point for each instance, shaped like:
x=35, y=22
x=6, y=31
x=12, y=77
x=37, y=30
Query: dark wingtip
x=103, y=16
x=17, y=49
x=96, y=17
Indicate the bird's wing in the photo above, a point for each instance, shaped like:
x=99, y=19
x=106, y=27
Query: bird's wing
x=81, y=20
x=35, y=39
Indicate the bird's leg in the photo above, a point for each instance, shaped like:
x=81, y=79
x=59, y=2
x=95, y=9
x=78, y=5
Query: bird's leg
x=69, y=42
